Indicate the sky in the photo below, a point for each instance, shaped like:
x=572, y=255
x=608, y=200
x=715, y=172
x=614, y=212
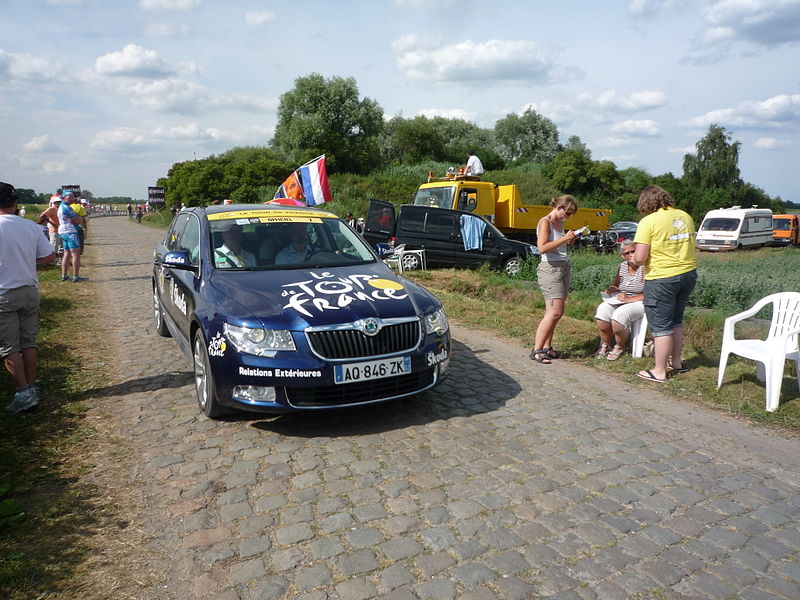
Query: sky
x=109, y=94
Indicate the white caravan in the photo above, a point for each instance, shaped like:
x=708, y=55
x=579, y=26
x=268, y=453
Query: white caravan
x=735, y=227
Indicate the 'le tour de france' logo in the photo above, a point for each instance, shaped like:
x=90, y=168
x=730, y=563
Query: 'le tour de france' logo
x=326, y=291
x=217, y=345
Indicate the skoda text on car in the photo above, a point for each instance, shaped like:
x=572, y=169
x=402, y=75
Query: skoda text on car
x=287, y=309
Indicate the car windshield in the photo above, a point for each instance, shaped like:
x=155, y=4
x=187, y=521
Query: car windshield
x=720, y=224
x=438, y=197
x=781, y=224
x=267, y=240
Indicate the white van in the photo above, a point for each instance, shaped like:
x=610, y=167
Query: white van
x=735, y=227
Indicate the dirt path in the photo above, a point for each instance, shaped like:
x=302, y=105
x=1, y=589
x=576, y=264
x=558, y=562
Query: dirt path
x=511, y=480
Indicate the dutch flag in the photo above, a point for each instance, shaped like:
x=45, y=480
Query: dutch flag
x=315, y=182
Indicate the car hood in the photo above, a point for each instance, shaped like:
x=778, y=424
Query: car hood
x=299, y=298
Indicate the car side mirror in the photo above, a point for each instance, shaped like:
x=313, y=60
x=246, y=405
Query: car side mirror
x=383, y=250
x=178, y=259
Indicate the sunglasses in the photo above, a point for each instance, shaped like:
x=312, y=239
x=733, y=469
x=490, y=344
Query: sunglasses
x=629, y=252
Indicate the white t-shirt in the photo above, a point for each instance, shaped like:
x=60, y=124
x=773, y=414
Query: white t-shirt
x=21, y=243
x=474, y=166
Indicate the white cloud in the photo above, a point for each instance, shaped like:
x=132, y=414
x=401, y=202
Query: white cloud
x=24, y=67
x=133, y=61
x=613, y=100
x=648, y=8
x=41, y=143
x=119, y=138
x=168, y=4
x=766, y=23
x=767, y=143
x=447, y=113
x=616, y=141
x=682, y=149
x=165, y=30
x=634, y=127
x=773, y=112
x=257, y=19
x=190, y=136
x=54, y=167
x=185, y=97
x=495, y=60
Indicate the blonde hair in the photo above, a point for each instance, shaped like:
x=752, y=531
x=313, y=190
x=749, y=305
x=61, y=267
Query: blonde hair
x=653, y=198
x=625, y=244
x=567, y=201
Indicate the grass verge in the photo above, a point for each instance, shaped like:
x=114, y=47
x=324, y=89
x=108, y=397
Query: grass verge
x=46, y=518
x=512, y=308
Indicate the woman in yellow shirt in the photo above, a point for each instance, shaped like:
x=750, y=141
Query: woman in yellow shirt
x=665, y=247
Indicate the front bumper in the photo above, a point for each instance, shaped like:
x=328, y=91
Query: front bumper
x=308, y=383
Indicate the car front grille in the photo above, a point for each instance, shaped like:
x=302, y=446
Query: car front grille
x=360, y=392
x=341, y=344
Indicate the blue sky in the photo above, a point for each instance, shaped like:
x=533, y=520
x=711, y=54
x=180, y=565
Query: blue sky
x=109, y=94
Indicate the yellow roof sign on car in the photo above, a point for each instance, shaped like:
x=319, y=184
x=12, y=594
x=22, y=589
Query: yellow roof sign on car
x=272, y=216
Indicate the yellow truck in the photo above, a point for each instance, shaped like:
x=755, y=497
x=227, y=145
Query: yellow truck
x=500, y=205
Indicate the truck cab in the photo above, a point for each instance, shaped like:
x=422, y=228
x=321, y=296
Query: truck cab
x=500, y=205
x=785, y=230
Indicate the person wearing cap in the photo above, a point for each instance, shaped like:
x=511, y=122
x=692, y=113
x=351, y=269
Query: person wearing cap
x=49, y=217
x=83, y=227
x=231, y=255
x=22, y=247
x=68, y=220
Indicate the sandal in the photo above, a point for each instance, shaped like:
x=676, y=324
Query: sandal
x=615, y=352
x=552, y=352
x=540, y=356
x=601, y=351
x=681, y=369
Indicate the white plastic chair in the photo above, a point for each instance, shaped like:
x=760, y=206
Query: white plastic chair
x=638, y=333
x=780, y=345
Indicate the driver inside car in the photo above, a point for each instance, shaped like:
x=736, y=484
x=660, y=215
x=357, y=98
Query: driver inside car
x=231, y=255
x=298, y=248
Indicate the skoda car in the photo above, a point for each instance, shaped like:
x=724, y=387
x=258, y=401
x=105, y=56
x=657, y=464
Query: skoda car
x=286, y=309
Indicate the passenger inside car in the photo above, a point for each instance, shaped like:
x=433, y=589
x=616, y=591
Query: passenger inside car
x=298, y=249
x=231, y=254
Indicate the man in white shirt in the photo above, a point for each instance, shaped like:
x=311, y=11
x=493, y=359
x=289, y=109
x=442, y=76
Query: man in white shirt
x=231, y=255
x=474, y=166
x=22, y=247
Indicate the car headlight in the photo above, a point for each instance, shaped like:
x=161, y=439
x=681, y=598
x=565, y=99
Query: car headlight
x=436, y=322
x=258, y=341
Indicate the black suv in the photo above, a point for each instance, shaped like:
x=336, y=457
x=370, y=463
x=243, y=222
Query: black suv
x=440, y=233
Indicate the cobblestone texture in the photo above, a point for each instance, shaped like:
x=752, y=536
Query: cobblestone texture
x=511, y=480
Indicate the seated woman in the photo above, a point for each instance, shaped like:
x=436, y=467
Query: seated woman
x=626, y=293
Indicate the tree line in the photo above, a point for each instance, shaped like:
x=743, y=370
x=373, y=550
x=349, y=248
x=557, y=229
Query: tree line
x=369, y=156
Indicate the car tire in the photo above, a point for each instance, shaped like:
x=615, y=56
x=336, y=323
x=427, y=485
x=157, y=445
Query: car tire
x=204, y=379
x=512, y=266
x=158, y=314
x=411, y=262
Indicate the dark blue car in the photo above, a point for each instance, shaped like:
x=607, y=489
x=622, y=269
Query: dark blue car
x=286, y=309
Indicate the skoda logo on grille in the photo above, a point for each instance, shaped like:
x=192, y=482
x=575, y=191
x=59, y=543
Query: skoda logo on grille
x=371, y=326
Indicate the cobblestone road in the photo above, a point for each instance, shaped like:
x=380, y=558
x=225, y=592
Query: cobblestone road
x=511, y=480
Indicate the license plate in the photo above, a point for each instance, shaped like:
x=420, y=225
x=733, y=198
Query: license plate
x=372, y=369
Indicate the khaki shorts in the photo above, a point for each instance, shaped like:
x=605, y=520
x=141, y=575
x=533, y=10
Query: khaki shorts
x=19, y=319
x=553, y=279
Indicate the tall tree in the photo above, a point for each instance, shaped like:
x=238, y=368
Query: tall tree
x=716, y=162
x=529, y=137
x=322, y=116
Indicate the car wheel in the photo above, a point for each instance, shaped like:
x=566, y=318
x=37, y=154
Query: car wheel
x=512, y=266
x=158, y=314
x=204, y=380
x=411, y=262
